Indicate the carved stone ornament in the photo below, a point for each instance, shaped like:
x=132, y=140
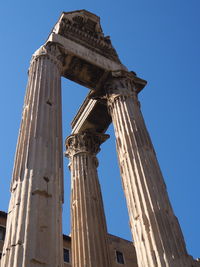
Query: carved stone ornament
x=85, y=142
x=51, y=50
x=117, y=84
x=86, y=31
x=120, y=83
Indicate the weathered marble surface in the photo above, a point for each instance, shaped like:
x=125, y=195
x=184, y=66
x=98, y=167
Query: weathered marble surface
x=34, y=224
x=88, y=223
x=156, y=232
x=78, y=50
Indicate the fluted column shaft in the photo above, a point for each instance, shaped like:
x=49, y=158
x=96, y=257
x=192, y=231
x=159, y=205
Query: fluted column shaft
x=88, y=224
x=156, y=232
x=34, y=224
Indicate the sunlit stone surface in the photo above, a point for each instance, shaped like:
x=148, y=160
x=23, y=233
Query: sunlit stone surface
x=78, y=50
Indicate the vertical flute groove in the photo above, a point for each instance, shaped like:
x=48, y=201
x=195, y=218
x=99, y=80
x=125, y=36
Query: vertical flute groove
x=152, y=220
x=34, y=235
x=89, y=233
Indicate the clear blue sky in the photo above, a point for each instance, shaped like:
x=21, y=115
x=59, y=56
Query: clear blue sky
x=157, y=39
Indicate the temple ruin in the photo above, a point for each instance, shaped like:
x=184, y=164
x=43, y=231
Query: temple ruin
x=78, y=50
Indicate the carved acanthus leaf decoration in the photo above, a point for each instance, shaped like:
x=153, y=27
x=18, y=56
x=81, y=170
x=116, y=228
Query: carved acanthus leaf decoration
x=119, y=84
x=51, y=50
x=85, y=142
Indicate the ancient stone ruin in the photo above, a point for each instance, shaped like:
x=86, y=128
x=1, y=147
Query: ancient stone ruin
x=78, y=50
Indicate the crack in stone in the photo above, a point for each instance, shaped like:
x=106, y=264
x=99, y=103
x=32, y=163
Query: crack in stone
x=46, y=179
x=41, y=193
x=49, y=102
x=36, y=261
x=18, y=243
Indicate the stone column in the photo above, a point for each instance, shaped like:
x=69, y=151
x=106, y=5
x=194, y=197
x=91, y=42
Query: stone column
x=88, y=224
x=156, y=232
x=34, y=225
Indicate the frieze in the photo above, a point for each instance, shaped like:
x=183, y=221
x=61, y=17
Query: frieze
x=85, y=31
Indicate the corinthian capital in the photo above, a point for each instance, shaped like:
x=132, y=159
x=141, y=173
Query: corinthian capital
x=85, y=142
x=52, y=51
x=119, y=83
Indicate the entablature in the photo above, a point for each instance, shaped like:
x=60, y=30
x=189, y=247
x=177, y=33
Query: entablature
x=89, y=58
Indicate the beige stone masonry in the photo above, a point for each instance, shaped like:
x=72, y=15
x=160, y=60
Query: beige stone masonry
x=88, y=224
x=34, y=224
x=77, y=49
x=156, y=232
